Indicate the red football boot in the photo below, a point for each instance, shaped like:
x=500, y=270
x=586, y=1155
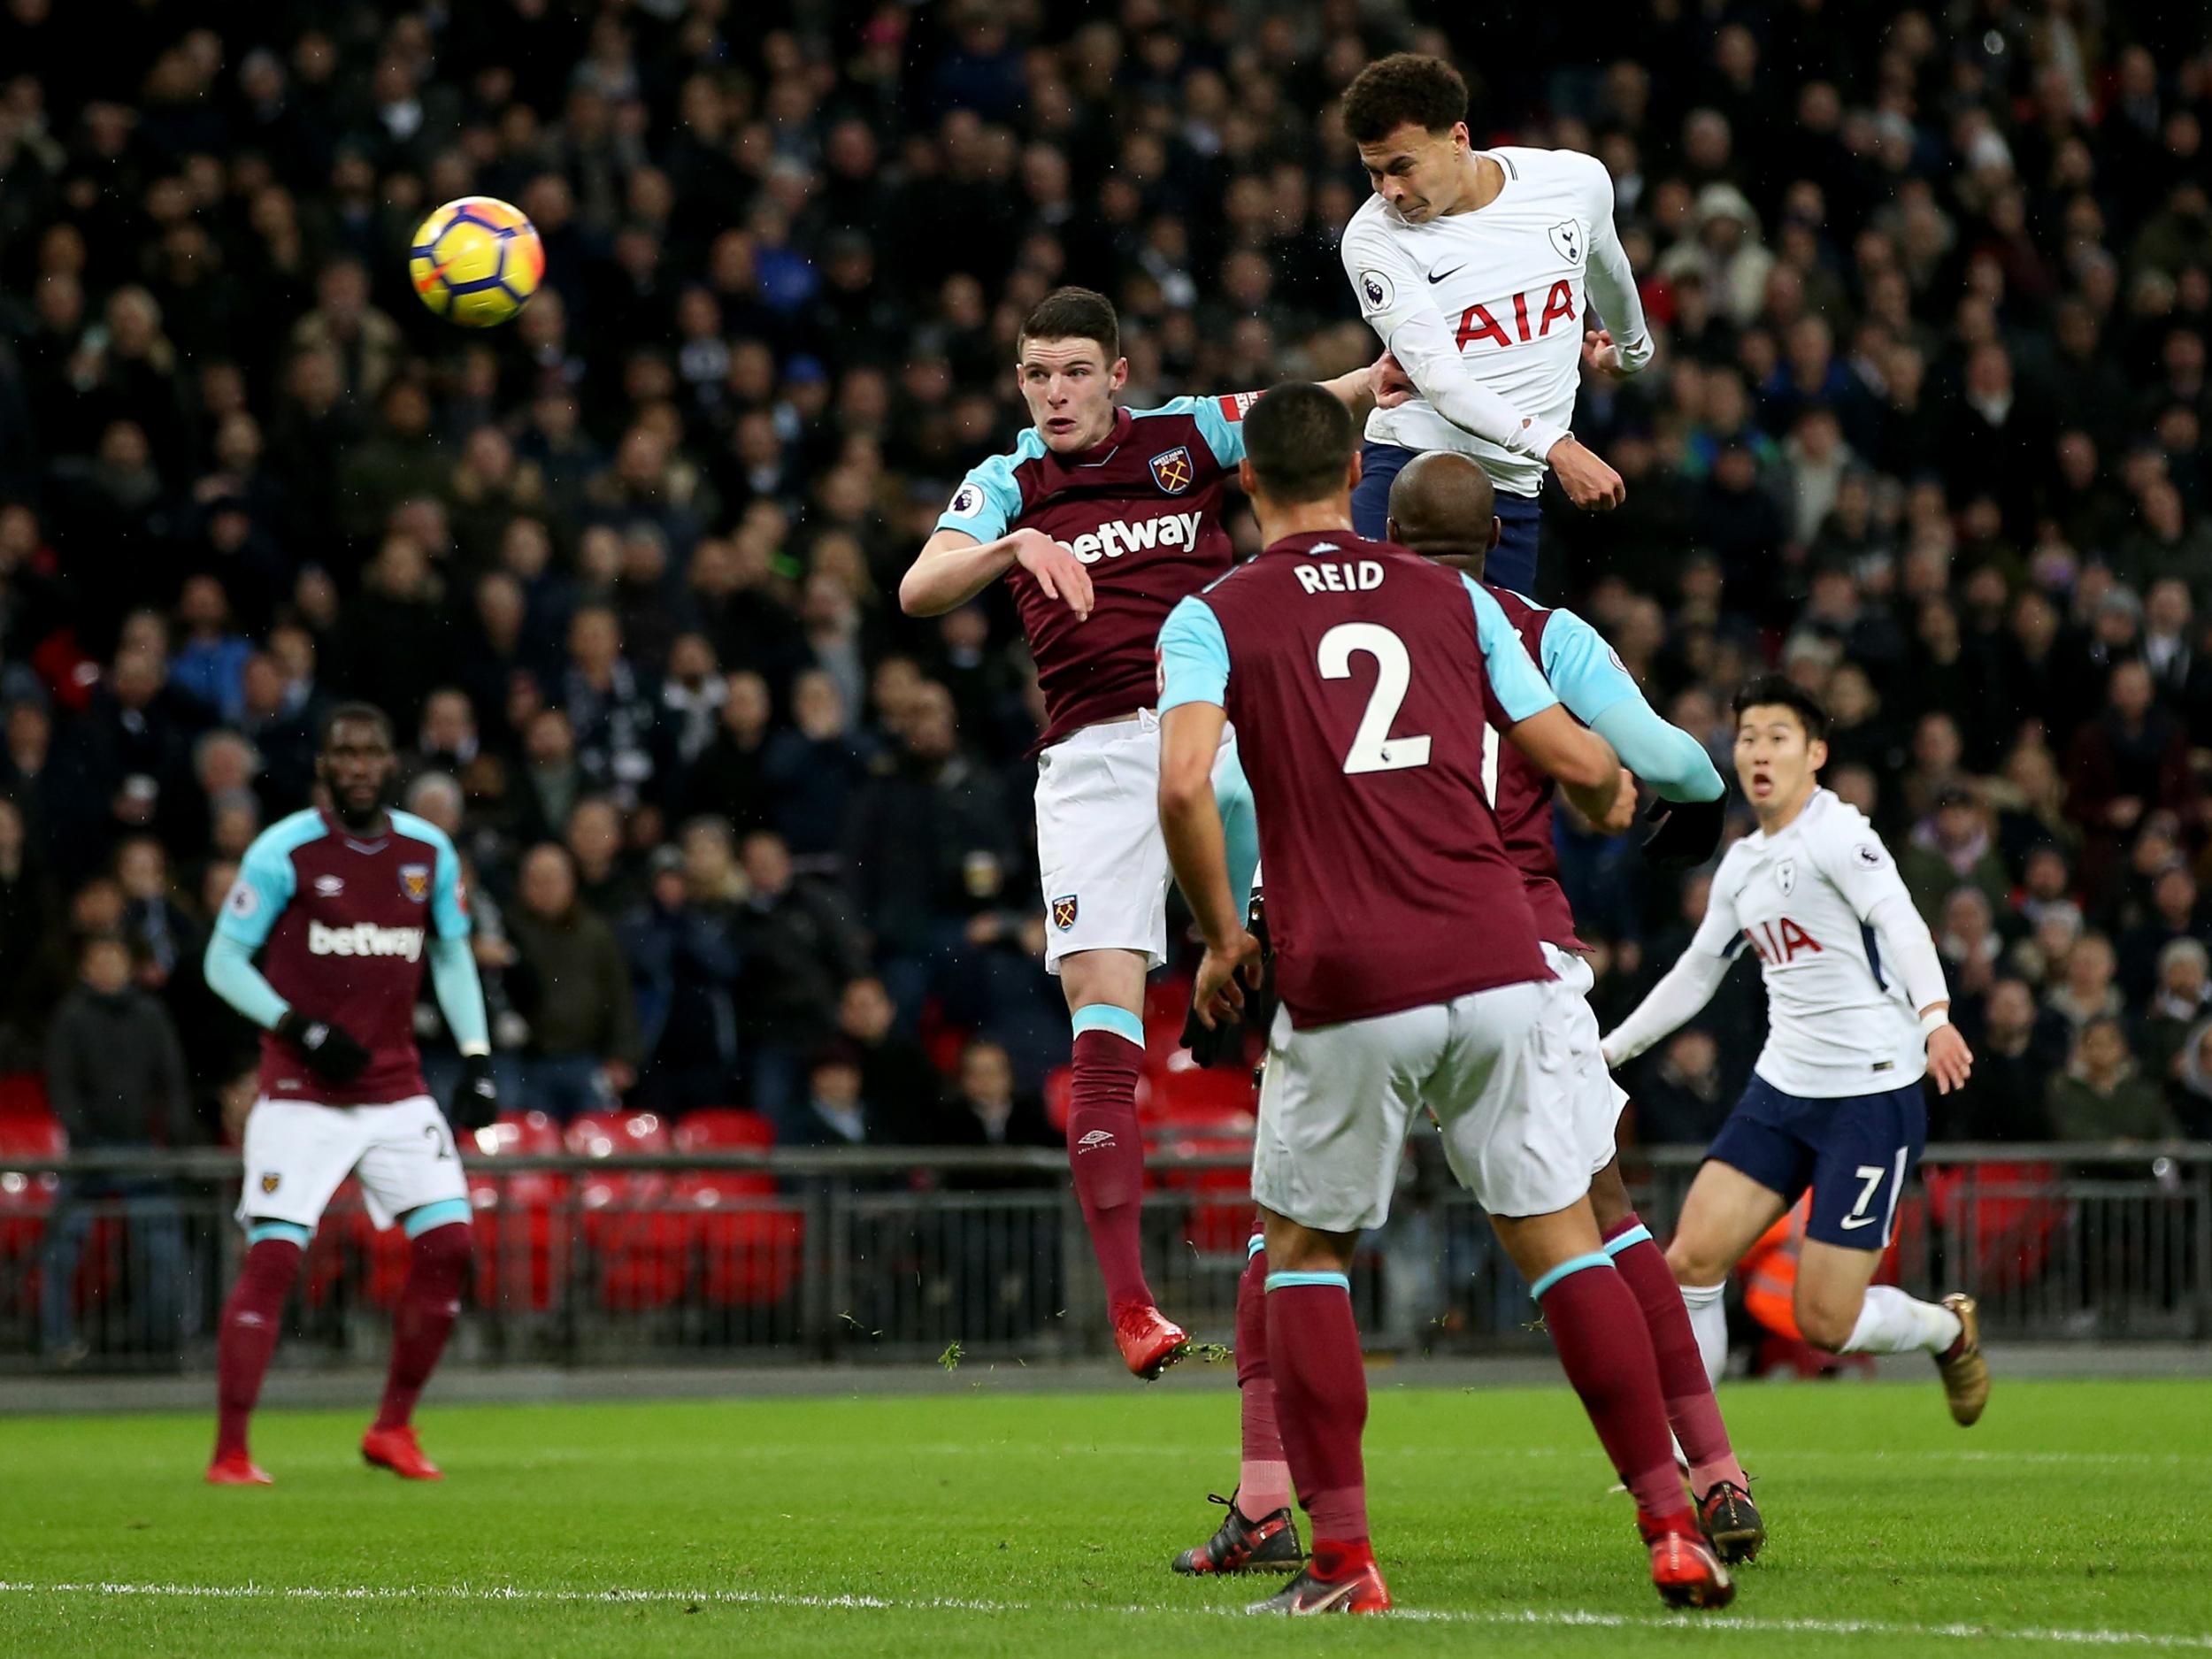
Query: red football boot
x=1150, y=1341
x=237, y=1469
x=1684, y=1570
x=1355, y=1586
x=397, y=1450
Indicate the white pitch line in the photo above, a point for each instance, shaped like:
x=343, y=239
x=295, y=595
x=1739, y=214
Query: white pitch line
x=1522, y=1618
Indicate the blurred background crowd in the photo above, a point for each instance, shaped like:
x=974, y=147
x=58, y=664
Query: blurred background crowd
x=1933, y=287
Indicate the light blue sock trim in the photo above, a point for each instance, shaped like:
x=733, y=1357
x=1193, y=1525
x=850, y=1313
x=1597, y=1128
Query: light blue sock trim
x=1638, y=1235
x=290, y=1231
x=444, y=1213
x=1259, y=1243
x=1573, y=1265
x=1285, y=1281
x=1106, y=1017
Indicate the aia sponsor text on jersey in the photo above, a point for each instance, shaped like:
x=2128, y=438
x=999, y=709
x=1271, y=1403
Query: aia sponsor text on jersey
x=1479, y=322
x=1778, y=942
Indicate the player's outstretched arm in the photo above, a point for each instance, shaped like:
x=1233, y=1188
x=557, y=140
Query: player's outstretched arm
x=1682, y=990
x=954, y=567
x=1685, y=988
x=1358, y=388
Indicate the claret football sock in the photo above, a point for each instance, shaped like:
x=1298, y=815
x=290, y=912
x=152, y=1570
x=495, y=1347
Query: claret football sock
x=1106, y=1154
x=1263, y=1476
x=1687, y=1391
x=437, y=1268
x=1321, y=1394
x=251, y=1317
x=1599, y=1331
x=1891, y=1322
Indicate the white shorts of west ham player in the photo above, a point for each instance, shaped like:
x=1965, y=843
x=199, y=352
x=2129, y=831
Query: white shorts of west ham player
x=297, y=1152
x=1602, y=1112
x=1511, y=1075
x=1099, y=848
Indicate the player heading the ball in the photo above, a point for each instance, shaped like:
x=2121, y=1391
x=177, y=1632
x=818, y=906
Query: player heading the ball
x=1478, y=270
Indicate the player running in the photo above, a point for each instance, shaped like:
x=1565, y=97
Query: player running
x=1103, y=518
x=1441, y=507
x=1858, y=1012
x=1477, y=269
x=343, y=903
x=1408, y=963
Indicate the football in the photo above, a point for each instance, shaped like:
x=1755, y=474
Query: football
x=476, y=261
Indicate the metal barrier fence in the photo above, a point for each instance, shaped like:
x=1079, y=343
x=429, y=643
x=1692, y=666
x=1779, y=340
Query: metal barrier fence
x=121, y=1261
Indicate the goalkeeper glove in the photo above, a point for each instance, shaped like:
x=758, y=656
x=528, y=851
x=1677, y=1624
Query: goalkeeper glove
x=332, y=1052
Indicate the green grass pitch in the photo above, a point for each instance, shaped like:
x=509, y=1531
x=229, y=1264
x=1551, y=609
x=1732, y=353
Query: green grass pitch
x=989, y=1521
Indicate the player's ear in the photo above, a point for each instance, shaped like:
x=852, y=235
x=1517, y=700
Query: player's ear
x=1816, y=754
x=1390, y=532
x=1247, y=480
x=1351, y=473
x=1461, y=138
x=1118, y=376
x=1497, y=530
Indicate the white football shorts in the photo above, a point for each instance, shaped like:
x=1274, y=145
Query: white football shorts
x=297, y=1153
x=1511, y=1075
x=1602, y=1127
x=1099, y=848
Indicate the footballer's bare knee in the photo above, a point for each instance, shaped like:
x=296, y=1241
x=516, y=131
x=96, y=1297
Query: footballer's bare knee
x=1824, y=1321
x=1694, y=1263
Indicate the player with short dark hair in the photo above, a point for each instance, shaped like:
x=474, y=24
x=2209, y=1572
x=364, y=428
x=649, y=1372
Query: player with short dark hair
x=343, y=903
x=1858, y=1014
x=1101, y=519
x=1409, y=968
x=1477, y=269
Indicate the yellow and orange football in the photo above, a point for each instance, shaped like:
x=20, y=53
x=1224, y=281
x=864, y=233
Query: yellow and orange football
x=477, y=261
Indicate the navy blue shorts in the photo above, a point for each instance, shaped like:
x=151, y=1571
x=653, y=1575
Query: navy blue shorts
x=1855, y=1152
x=1512, y=562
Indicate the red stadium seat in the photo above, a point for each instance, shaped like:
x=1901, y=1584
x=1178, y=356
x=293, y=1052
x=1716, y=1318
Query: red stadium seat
x=1220, y=1223
x=2012, y=1217
x=1183, y=1092
x=750, y=1249
x=635, y=1237
x=521, y=1254
x=26, y=1200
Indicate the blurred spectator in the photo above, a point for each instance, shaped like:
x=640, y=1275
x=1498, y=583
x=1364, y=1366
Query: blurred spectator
x=895, y=1070
x=984, y=1110
x=2017, y=1051
x=830, y=1109
x=2083, y=990
x=2102, y=1096
x=115, y=1076
x=798, y=951
x=684, y=962
x=1683, y=1099
x=1950, y=847
x=570, y=983
x=2179, y=1000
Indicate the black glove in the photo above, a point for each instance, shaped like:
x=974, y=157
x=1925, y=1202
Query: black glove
x=1685, y=832
x=332, y=1052
x=475, y=1102
x=1224, y=1044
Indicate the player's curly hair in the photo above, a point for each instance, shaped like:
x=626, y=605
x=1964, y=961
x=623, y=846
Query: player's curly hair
x=1778, y=691
x=355, y=714
x=1074, y=313
x=1403, y=86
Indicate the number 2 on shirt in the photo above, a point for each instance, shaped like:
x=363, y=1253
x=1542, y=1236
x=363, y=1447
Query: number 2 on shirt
x=1373, y=748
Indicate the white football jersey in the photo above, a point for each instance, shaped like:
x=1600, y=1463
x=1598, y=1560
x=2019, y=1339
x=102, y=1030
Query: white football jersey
x=1507, y=286
x=1836, y=1023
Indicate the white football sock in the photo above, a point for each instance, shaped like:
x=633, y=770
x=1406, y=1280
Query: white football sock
x=1709, y=1323
x=1891, y=1322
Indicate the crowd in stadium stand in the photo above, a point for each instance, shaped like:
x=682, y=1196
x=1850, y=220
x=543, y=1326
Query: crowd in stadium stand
x=1933, y=288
